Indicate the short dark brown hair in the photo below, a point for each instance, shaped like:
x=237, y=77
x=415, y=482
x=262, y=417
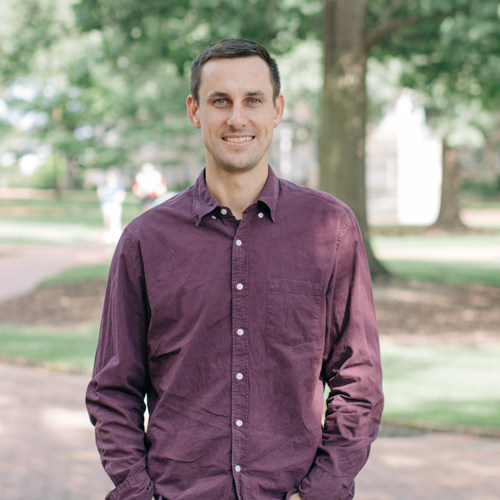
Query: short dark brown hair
x=231, y=48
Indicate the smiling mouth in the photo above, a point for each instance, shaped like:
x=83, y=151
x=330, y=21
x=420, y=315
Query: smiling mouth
x=238, y=140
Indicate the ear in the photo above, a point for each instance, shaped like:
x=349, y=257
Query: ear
x=279, y=108
x=192, y=110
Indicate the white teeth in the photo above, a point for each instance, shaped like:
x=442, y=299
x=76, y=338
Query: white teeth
x=237, y=139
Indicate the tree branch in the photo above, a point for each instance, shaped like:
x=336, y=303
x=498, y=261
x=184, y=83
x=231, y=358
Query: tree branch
x=395, y=7
x=389, y=27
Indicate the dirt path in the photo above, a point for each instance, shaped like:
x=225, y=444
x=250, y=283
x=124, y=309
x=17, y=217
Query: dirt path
x=431, y=467
x=48, y=450
x=23, y=266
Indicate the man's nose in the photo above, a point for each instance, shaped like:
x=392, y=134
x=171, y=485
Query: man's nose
x=237, y=118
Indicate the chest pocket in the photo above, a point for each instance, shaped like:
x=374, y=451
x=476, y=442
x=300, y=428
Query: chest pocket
x=293, y=311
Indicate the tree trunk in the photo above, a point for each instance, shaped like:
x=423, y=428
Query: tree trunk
x=491, y=148
x=71, y=172
x=342, y=137
x=449, y=213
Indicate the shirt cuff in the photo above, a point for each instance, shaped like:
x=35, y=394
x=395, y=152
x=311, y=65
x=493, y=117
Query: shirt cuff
x=136, y=487
x=319, y=484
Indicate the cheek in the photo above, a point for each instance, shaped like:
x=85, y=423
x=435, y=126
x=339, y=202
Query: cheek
x=209, y=136
x=211, y=124
x=270, y=120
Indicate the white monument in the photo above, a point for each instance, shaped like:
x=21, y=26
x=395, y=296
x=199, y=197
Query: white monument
x=403, y=161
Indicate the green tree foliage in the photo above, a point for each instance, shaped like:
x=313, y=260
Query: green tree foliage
x=411, y=30
x=26, y=26
x=108, y=79
x=452, y=58
x=454, y=62
x=177, y=30
x=54, y=84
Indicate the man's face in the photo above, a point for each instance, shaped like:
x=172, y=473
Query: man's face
x=236, y=113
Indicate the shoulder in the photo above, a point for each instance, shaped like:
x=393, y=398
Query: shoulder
x=159, y=217
x=309, y=199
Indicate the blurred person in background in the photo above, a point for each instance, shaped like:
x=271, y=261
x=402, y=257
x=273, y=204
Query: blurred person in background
x=230, y=307
x=149, y=184
x=111, y=194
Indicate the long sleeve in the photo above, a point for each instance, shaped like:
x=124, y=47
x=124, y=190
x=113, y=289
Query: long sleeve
x=115, y=395
x=352, y=370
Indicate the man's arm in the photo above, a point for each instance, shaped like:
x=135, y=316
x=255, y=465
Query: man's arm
x=115, y=395
x=351, y=368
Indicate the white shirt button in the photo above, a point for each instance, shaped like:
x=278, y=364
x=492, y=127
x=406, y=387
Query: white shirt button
x=214, y=217
x=239, y=423
x=240, y=331
x=239, y=243
x=237, y=468
x=239, y=376
x=223, y=211
x=260, y=215
x=239, y=286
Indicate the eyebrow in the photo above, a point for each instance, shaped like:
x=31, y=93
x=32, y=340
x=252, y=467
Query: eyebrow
x=256, y=93
x=217, y=93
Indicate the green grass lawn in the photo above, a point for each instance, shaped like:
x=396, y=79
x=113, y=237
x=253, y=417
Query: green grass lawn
x=459, y=259
x=74, y=207
x=59, y=349
x=74, y=218
x=445, y=385
x=431, y=240
x=78, y=275
x=439, y=271
x=451, y=386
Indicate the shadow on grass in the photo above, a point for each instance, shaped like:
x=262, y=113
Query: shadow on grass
x=451, y=415
x=70, y=350
x=446, y=385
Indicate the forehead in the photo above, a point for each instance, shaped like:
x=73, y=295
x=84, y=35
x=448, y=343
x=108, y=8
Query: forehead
x=241, y=74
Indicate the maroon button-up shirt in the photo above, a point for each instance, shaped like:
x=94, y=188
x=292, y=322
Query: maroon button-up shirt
x=231, y=329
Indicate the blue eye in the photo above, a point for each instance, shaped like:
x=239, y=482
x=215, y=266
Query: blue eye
x=255, y=101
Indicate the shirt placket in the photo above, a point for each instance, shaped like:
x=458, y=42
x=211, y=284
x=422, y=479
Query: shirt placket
x=239, y=385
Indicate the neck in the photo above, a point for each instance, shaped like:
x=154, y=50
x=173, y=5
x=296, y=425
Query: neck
x=235, y=190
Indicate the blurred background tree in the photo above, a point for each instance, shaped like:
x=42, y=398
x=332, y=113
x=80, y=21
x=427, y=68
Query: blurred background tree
x=455, y=66
x=442, y=44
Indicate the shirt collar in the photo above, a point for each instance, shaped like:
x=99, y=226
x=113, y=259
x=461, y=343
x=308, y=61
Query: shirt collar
x=269, y=194
x=203, y=203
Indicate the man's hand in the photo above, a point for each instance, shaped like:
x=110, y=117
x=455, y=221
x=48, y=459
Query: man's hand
x=295, y=496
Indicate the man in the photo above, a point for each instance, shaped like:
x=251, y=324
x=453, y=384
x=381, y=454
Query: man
x=230, y=306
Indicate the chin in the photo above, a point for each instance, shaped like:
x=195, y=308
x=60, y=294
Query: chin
x=238, y=167
x=245, y=164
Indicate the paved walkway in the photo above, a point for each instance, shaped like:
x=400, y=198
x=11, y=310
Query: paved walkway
x=23, y=266
x=431, y=467
x=48, y=450
x=47, y=447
